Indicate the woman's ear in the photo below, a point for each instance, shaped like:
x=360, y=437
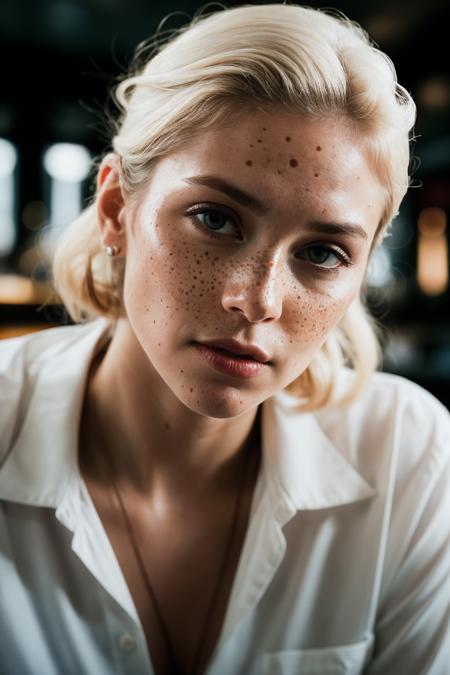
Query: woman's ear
x=110, y=205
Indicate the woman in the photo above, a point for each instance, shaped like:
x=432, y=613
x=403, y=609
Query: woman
x=209, y=477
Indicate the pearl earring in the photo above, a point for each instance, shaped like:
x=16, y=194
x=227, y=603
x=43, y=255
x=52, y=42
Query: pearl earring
x=112, y=251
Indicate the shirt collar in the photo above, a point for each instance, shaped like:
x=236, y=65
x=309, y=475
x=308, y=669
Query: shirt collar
x=44, y=457
x=303, y=468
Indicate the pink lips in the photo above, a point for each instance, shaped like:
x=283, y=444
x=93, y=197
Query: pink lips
x=254, y=351
x=223, y=360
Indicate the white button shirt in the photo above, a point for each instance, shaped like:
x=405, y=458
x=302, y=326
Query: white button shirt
x=345, y=567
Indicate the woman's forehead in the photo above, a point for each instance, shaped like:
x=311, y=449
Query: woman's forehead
x=276, y=161
x=278, y=143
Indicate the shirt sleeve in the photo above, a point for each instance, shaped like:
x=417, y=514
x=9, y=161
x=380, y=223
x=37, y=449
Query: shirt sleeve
x=412, y=631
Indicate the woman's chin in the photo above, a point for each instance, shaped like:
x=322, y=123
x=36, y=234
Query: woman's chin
x=221, y=405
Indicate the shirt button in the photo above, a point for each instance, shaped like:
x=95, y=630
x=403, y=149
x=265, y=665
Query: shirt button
x=126, y=642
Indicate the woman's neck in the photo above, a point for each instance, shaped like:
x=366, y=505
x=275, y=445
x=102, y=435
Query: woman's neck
x=158, y=447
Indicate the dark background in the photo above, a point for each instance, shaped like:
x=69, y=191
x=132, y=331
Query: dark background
x=58, y=60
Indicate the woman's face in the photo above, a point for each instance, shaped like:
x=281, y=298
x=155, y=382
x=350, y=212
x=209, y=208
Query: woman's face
x=259, y=231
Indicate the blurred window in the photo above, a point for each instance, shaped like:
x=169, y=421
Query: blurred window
x=8, y=176
x=66, y=166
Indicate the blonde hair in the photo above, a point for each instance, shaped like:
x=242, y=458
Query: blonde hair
x=300, y=59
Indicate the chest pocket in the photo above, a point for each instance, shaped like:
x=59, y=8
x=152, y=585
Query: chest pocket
x=344, y=660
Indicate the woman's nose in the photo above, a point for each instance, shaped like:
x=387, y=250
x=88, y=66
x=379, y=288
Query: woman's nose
x=256, y=291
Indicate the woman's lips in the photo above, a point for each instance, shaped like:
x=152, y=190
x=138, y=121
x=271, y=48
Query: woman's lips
x=231, y=364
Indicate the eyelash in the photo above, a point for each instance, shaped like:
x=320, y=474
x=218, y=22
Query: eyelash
x=337, y=251
x=201, y=209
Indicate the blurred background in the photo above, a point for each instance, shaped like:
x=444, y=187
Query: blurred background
x=59, y=59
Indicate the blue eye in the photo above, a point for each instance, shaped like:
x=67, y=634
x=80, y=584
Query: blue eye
x=327, y=257
x=213, y=220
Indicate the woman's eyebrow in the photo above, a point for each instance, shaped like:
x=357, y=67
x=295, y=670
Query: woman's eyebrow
x=350, y=229
x=251, y=202
x=243, y=198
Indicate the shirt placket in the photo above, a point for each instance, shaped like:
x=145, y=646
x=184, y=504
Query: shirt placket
x=128, y=646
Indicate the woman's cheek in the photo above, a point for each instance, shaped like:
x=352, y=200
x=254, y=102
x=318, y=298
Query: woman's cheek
x=169, y=277
x=317, y=313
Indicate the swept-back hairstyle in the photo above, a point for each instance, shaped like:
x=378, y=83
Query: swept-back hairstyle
x=274, y=56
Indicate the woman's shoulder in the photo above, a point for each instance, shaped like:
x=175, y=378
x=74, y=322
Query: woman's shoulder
x=388, y=391
x=33, y=348
x=23, y=358
x=394, y=399
x=394, y=420
x=28, y=360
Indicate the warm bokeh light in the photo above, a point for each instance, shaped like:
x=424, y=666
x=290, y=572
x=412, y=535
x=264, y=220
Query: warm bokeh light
x=432, y=221
x=19, y=290
x=434, y=92
x=432, y=251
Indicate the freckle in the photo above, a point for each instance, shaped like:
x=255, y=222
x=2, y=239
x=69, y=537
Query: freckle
x=316, y=175
x=293, y=162
x=191, y=390
x=264, y=129
x=288, y=138
x=279, y=172
x=167, y=425
x=249, y=162
x=251, y=145
x=319, y=148
x=259, y=140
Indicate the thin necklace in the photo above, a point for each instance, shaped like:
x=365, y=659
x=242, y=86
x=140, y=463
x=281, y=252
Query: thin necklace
x=250, y=451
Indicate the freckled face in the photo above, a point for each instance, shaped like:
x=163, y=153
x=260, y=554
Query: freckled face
x=236, y=237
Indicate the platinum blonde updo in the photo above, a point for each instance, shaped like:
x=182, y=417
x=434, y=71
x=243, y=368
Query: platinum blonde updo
x=274, y=56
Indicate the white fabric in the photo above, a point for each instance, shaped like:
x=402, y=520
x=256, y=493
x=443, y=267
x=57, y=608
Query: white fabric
x=346, y=562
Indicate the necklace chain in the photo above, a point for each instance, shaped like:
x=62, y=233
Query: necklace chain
x=230, y=541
